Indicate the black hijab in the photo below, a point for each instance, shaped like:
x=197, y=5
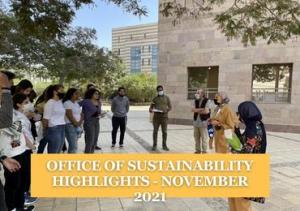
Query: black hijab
x=249, y=114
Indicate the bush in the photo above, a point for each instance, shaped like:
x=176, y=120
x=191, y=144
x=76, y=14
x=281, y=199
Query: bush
x=140, y=88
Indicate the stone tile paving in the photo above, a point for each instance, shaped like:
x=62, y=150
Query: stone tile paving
x=284, y=149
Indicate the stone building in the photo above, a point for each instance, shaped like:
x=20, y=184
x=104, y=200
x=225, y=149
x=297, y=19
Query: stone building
x=195, y=54
x=137, y=47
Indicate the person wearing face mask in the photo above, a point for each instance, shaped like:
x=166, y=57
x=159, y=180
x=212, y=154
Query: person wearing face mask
x=254, y=141
x=91, y=109
x=17, y=140
x=30, y=112
x=30, y=144
x=6, y=121
x=161, y=106
x=119, y=108
x=201, y=115
x=74, y=118
x=222, y=118
x=54, y=119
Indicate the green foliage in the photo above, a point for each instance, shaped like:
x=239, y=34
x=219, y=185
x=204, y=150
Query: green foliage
x=50, y=19
x=267, y=73
x=140, y=88
x=248, y=20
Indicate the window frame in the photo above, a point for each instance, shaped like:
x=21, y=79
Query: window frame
x=276, y=88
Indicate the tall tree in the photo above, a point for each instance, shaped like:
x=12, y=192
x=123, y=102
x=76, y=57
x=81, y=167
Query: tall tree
x=248, y=20
x=48, y=19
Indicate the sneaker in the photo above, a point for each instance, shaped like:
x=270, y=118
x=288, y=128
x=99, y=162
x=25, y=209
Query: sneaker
x=197, y=152
x=29, y=208
x=113, y=146
x=154, y=148
x=166, y=148
x=97, y=148
x=29, y=200
x=121, y=145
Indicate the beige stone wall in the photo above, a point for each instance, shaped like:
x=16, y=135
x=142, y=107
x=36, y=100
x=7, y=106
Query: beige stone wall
x=199, y=43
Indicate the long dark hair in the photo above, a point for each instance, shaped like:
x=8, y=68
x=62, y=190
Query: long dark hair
x=69, y=94
x=89, y=93
x=32, y=96
x=50, y=91
x=42, y=97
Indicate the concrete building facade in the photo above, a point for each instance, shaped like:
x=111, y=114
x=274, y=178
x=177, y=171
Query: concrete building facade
x=195, y=54
x=137, y=46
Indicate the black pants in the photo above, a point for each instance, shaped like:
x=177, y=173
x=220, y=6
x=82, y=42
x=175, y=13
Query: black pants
x=27, y=167
x=15, y=185
x=116, y=123
x=2, y=198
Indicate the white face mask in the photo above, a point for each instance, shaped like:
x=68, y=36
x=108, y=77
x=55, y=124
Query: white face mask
x=29, y=107
x=197, y=96
x=160, y=93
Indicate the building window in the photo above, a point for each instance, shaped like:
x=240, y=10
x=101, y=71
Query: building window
x=206, y=78
x=149, y=61
x=143, y=62
x=149, y=48
x=143, y=48
x=131, y=37
x=154, y=58
x=119, y=51
x=119, y=39
x=145, y=35
x=271, y=83
x=135, y=56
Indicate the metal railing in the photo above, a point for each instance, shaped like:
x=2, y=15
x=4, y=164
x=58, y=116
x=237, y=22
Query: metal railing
x=271, y=95
x=209, y=93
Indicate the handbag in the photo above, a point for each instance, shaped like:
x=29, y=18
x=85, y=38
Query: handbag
x=233, y=140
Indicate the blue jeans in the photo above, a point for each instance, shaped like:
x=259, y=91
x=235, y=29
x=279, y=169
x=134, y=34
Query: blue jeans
x=72, y=137
x=56, y=138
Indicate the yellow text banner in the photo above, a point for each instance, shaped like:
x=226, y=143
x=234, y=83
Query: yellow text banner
x=175, y=175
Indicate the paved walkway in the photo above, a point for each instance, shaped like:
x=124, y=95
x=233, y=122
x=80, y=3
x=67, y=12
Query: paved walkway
x=284, y=149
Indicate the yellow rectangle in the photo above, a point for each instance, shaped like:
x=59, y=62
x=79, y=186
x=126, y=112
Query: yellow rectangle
x=176, y=175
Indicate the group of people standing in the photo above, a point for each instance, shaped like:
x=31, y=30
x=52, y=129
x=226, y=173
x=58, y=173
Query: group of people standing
x=222, y=118
x=55, y=116
x=210, y=121
x=17, y=142
x=64, y=116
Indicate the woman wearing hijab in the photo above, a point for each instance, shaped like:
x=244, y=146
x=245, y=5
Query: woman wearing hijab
x=254, y=137
x=254, y=141
x=222, y=118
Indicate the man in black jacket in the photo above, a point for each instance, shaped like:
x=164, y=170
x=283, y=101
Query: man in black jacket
x=6, y=112
x=201, y=112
